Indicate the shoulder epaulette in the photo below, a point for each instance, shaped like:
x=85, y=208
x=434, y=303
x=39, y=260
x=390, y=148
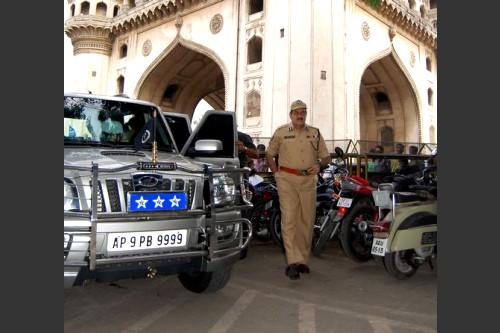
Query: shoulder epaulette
x=309, y=127
x=282, y=126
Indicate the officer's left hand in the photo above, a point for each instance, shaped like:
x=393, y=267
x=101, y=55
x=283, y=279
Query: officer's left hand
x=314, y=169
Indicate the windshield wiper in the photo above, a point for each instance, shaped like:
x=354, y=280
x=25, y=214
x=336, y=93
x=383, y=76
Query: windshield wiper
x=88, y=143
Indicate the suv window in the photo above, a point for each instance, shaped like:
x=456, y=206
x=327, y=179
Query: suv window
x=96, y=121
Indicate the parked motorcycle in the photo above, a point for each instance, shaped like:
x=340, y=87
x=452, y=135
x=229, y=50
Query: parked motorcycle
x=345, y=220
x=324, y=189
x=356, y=205
x=265, y=202
x=406, y=236
x=327, y=223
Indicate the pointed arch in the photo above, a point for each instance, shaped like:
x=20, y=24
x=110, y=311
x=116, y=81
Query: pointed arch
x=386, y=73
x=196, y=71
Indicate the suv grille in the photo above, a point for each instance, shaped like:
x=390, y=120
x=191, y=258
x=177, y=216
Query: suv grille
x=112, y=197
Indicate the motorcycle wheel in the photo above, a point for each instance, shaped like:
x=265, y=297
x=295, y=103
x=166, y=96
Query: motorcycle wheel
x=400, y=264
x=276, y=227
x=320, y=217
x=355, y=243
x=323, y=235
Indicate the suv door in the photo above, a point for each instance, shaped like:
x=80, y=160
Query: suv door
x=180, y=126
x=214, y=125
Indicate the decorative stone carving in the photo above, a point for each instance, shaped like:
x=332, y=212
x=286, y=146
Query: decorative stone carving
x=365, y=30
x=216, y=23
x=146, y=48
x=412, y=59
x=178, y=22
x=392, y=32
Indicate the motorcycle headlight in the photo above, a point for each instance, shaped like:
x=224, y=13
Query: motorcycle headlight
x=337, y=179
x=71, y=201
x=224, y=191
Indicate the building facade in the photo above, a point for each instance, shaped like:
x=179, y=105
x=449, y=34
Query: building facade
x=367, y=69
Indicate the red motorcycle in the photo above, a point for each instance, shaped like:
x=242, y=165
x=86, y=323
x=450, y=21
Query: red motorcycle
x=347, y=219
x=356, y=206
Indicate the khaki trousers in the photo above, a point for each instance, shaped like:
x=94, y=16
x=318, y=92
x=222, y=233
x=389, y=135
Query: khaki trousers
x=297, y=195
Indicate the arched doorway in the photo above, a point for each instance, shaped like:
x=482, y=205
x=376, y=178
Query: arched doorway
x=182, y=76
x=389, y=108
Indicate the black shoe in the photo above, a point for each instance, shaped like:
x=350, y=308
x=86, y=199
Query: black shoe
x=292, y=272
x=303, y=268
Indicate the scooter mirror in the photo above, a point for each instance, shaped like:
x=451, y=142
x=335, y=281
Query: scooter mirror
x=339, y=152
x=434, y=152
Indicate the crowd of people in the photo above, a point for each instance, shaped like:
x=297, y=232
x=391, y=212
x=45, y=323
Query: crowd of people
x=401, y=165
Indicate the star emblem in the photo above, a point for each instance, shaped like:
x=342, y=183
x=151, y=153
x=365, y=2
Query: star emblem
x=175, y=201
x=141, y=202
x=158, y=202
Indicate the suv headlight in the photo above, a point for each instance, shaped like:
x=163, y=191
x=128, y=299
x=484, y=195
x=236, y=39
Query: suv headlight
x=226, y=231
x=71, y=201
x=224, y=191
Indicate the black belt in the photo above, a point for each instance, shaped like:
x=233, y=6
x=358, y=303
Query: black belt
x=296, y=172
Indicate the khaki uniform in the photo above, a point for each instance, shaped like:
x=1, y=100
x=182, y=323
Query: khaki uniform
x=297, y=149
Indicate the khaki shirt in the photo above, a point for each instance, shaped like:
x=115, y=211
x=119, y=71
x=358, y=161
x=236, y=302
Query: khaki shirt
x=297, y=149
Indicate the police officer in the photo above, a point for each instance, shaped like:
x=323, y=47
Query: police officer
x=302, y=153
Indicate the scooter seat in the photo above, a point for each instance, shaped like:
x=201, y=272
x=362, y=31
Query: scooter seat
x=402, y=197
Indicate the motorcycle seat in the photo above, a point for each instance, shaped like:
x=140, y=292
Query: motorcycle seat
x=401, y=197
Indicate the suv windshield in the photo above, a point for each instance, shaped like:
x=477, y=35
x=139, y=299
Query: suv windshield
x=103, y=121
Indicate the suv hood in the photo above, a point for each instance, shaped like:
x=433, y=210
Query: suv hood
x=115, y=158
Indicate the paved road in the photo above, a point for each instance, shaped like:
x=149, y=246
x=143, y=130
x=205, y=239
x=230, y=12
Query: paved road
x=337, y=296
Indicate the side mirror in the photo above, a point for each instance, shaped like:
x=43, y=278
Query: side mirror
x=208, y=145
x=339, y=152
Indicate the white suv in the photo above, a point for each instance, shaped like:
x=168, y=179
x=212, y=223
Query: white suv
x=137, y=204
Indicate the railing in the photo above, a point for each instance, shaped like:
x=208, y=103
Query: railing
x=364, y=146
x=358, y=154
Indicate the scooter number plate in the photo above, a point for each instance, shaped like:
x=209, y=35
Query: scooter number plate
x=378, y=246
x=344, y=202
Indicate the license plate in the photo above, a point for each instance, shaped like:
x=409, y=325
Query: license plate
x=344, y=202
x=429, y=238
x=131, y=241
x=378, y=246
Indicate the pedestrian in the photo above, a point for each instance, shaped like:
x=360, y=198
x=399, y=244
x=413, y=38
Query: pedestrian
x=246, y=153
x=260, y=163
x=246, y=149
x=380, y=164
x=302, y=154
x=397, y=163
x=415, y=164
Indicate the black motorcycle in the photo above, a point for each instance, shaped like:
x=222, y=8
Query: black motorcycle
x=265, y=202
x=324, y=190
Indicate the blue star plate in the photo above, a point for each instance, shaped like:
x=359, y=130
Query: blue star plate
x=156, y=201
